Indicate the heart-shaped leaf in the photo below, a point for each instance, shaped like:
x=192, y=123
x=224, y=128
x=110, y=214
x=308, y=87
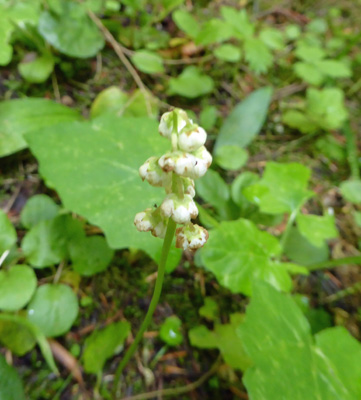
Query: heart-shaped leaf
x=38, y=208
x=170, y=331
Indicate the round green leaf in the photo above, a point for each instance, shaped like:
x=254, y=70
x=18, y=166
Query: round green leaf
x=73, y=35
x=170, y=331
x=351, y=191
x=7, y=233
x=228, y=52
x=148, y=62
x=11, y=387
x=191, y=83
x=18, y=338
x=38, y=208
x=53, y=309
x=231, y=157
x=17, y=285
x=186, y=22
x=90, y=255
x=110, y=100
x=38, y=70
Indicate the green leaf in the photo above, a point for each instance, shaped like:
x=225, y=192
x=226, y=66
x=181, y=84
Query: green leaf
x=38, y=208
x=73, y=35
x=299, y=121
x=186, y=22
x=239, y=21
x=208, y=117
x=191, y=83
x=298, y=249
x=170, y=331
x=90, y=255
x=317, y=228
x=17, y=285
x=110, y=100
x=137, y=106
x=231, y=157
x=282, y=189
x=292, y=31
x=53, y=309
x=11, y=387
x=334, y=68
x=272, y=38
x=310, y=73
x=287, y=362
x=326, y=107
x=317, y=25
x=225, y=338
x=309, y=54
x=242, y=181
x=38, y=70
x=214, y=31
x=246, y=120
x=105, y=186
x=228, y=52
x=237, y=252
x=8, y=235
x=357, y=216
x=257, y=55
x=148, y=62
x=351, y=191
x=17, y=338
x=210, y=309
x=103, y=344
x=17, y=117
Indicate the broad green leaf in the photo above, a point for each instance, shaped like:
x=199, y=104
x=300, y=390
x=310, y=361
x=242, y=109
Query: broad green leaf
x=334, y=68
x=38, y=70
x=331, y=147
x=214, y=31
x=231, y=157
x=357, y=216
x=351, y=191
x=191, y=83
x=208, y=117
x=239, y=21
x=38, y=208
x=186, y=22
x=310, y=73
x=17, y=285
x=326, y=107
x=272, y=38
x=11, y=387
x=170, y=331
x=47, y=242
x=309, y=54
x=38, y=335
x=148, y=62
x=73, y=35
x=110, y=100
x=238, y=253
x=225, y=338
x=299, y=250
x=317, y=228
x=288, y=362
x=317, y=25
x=292, y=31
x=210, y=309
x=17, y=338
x=228, y=52
x=103, y=344
x=105, y=186
x=242, y=181
x=298, y=120
x=257, y=55
x=136, y=106
x=53, y=308
x=282, y=189
x=7, y=233
x=245, y=121
x=90, y=255
x=20, y=116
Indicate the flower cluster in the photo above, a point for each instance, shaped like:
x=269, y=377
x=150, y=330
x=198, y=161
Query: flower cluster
x=176, y=171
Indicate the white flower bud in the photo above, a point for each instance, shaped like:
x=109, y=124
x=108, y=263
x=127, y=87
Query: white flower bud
x=143, y=220
x=180, y=210
x=167, y=120
x=191, y=138
x=152, y=172
x=191, y=237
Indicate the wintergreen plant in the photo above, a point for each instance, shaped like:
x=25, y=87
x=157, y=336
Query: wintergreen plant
x=175, y=171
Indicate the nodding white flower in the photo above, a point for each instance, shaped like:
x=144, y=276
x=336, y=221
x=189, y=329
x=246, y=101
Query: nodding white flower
x=151, y=220
x=191, y=138
x=167, y=120
x=191, y=237
x=180, y=210
x=155, y=175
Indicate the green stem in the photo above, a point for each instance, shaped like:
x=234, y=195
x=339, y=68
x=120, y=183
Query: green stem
x=153, y=304
x=335, y=263
x=351, y=149
x=343, y=293
x=287, y=230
